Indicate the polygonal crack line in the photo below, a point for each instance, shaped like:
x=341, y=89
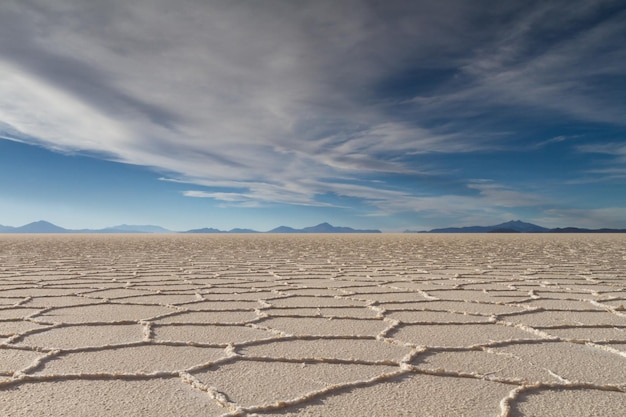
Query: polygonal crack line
x=319, y=360
x=305, y=399
x=52, y=354
x=393, y=325
x=508, y=402
x=528, y=329
x=17, y=337
x=58, y=325
x=219, y=397
x=290, y=338
x=20, y=378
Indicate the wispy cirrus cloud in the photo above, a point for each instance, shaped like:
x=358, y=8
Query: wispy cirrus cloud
x=593, y=218
x=534, y=66
x=285, y=102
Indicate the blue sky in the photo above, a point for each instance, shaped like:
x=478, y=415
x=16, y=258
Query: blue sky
x=392, y=115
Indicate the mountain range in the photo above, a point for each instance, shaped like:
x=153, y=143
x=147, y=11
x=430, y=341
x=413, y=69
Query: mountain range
x=516, y=226
x=513, y=226
x=43, y=226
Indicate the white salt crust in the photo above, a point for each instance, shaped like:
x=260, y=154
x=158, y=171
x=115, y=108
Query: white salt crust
x=334, y=325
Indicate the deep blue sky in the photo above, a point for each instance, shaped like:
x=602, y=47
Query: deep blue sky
x=393, y=115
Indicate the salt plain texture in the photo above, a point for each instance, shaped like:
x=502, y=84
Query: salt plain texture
x=313, y=325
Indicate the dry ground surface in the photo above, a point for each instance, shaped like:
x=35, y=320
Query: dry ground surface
x=312, y=325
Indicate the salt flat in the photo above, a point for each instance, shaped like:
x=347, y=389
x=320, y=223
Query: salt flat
x=317, y=325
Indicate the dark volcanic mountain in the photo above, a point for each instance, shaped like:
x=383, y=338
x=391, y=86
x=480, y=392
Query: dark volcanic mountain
x=512, y=226
x=6, y=229
x=134, y=228
x=517, y=226
x=321, y=228
x=283, y=229
x=205, y=230
x=43, y=226
x=47, y=227
x=40, y=226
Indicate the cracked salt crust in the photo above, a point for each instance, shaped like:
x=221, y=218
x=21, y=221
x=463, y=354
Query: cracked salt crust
x=567, y=318
x=209, y=334
x=346, y=349
x=571, y=361
x=591, y=334
x=80, y=336
x=250, y=383
x=412, y=395
x=557, y=402
x=131, y=359
x=102, y=313
x=226, y=317
x=107, y=397
x=341, y=325
x=487, y=363
x=13, y=359
x=458, y=335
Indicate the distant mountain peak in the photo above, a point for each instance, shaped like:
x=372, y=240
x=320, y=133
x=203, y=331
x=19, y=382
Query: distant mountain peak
x=511, y=226
x=204, y=230
x=321, y=228
x=40, y=226
x=139, y=228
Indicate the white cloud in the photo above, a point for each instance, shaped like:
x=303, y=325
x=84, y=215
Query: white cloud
x=210, y=92
x=41, y=110
x=610, y=148
x=527, y=70
x=276, y=101
x=587, y=218
x=503, y=196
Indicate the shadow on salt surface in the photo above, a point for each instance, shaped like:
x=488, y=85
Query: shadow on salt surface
x=492, y=296
x=457, y=335
x=563, y=402
x=17, y=313
x=485, y=363
x=103, y=313
x=365, y=350
x=302, y=301
x=312, y=291
x=356, y=312
x=209, y=334
x=591, y=334
x=113, y=293
x=573, y=362
x=563, y=305
x=222, y=305
x=434, y=317
x=319, y=326
x=208, y=317
x=256, y=383
x=9, y=301
x=131, y=360
x=238, y=296
x=10, y=328
x=36, y=292
x=565, y=318
x=16, y=359
x=407, y=395
x=107, y=398
x=80, y=336
x=56, y=301
x=173, y=299
x=389, y=296
x=620, y=346
x=455, y=306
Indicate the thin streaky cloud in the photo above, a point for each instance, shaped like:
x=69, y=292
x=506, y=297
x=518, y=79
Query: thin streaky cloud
x=289, y=103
